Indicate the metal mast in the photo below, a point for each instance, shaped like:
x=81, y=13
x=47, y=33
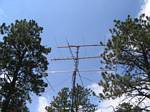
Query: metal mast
x=76, y=59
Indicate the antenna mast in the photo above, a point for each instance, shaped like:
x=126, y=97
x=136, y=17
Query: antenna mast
x=76, y=59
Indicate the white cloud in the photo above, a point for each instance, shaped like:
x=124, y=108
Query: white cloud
x=96, y=88
x=109, y=105
x=42, y=104
x=145, y=8
x=106, y=105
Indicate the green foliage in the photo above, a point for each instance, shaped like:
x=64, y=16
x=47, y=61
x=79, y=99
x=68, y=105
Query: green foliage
x=128, y=53
x=63, y=102
x=126, y=107
x=22, y=64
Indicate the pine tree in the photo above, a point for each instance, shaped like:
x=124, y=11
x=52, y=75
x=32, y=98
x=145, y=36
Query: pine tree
x=128, y=53
x=63, y=102
x=23, y=63
x=126, y=107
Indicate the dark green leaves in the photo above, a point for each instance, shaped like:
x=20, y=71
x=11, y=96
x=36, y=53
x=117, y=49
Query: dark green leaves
x=126, y=107
x=22, y=63
x=128, y=54
x=63, y=102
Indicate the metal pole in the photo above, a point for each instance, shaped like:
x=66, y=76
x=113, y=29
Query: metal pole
x=74, y=105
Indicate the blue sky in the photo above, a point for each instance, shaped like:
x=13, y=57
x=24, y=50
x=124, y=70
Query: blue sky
x=78, y=21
